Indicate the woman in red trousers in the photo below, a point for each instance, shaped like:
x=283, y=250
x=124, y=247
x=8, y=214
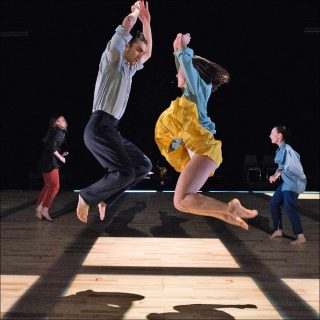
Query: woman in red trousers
x=51, y=160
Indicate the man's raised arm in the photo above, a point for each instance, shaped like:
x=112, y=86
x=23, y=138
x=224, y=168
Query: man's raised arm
x=145, y=18
x=130, y=20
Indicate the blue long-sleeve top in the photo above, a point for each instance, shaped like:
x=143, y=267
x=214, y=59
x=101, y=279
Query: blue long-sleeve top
x=196, y=89
x=291, y=169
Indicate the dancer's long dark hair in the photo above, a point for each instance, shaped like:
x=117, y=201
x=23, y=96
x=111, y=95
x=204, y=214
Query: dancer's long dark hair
x=211, y=72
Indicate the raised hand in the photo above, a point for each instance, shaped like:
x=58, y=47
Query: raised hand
x=144, y=15
x=136, y=6
x=185, y=39
x=177, y=43
x=181, y=41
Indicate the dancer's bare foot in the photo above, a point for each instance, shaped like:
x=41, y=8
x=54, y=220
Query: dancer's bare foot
x=301, y=239
x=102, y=210
x=45, y=214
x=38, y=212
x=82, y=210
x=236, y=208
x=276, y=234
x=238, y=212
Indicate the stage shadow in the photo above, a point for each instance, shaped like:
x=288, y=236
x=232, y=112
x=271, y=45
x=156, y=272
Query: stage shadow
x=199, y=311
x=263, y=224
x=23, y=206
x=95, y=305
x=119, y=224
x=170, y=226
x=69, y=207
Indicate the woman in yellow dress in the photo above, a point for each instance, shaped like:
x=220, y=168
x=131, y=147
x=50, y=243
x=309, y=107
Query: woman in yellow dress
x=185, y=136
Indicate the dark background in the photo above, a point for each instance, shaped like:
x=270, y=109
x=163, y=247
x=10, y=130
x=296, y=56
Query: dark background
x=50, y=52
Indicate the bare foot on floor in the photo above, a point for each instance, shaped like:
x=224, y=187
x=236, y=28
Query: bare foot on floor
x=276, y=234
x=102, y=210
x=45, y=214
x=82, y=210
x=301, y=239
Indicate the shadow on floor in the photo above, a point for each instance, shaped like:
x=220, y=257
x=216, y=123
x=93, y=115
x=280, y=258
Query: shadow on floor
x=199, y=311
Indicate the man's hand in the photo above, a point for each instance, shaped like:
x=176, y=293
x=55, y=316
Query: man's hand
x=136, y=6
x=130, y=20
x=144, y=15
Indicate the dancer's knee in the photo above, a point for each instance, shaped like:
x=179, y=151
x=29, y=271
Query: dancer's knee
x=128, y=174
x=179, y=203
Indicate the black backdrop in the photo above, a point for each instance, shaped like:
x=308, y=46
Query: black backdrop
x=50, y=51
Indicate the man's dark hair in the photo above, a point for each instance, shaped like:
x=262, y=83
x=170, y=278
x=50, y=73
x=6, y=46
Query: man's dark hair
x=139, y=36
x=285, y=131
x=211, y=72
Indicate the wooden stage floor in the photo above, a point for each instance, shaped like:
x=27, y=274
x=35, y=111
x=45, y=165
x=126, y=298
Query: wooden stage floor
x=149, y=261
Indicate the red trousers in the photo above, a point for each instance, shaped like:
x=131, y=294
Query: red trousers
x=50, y=188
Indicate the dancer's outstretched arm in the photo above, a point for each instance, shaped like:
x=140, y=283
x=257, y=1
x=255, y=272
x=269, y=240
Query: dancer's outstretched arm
x=145, y=18
x=130, y=20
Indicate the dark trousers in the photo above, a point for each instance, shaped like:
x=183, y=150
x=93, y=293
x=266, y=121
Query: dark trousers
x=289, y=201
x=124, y=163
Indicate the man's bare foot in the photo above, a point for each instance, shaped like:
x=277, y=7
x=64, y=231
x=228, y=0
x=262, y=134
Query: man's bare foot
x=301, y=239
x=38, y=212
x=276, y=234
x=102, y=210
x=238, y=210
x=82, y=210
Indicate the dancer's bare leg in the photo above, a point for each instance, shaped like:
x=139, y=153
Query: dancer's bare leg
x=102, y=210
x=186, y=198
x=82, y=210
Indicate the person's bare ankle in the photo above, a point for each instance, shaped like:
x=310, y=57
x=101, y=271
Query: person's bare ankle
x=300, y=239
x=38, y=211
x=45, y=214
x=102, y=209
x=276, y=234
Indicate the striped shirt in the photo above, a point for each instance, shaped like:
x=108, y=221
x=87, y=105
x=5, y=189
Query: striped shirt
x=115, y=74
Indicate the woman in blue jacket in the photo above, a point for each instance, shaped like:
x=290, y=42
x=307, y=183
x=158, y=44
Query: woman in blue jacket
x=293, y=183
x=185, y=136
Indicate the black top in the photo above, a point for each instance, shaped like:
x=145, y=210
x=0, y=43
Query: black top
x=52, y=142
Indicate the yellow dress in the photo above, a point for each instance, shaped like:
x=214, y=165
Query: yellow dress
x=178, y=129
